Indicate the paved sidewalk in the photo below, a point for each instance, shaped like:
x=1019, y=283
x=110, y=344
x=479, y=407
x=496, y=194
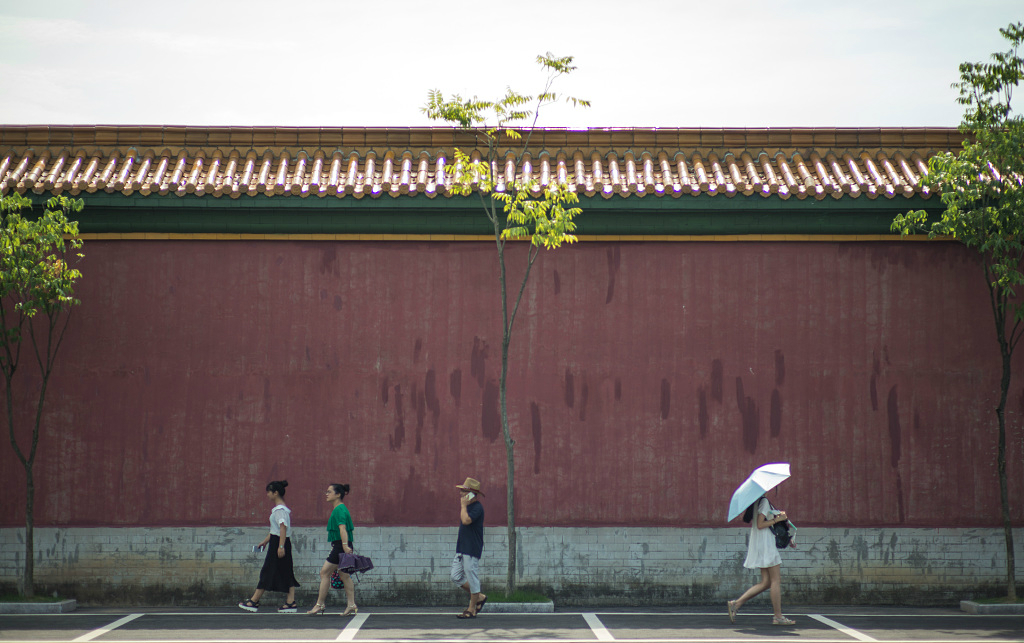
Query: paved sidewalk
x=439, y=625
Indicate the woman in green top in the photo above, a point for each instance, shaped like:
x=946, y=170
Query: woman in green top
x=339, y=533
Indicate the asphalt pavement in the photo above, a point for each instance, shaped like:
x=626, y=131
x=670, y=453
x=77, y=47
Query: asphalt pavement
x=439, y=625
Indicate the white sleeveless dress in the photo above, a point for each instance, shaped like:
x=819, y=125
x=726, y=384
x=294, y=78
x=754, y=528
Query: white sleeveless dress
x=761, y=551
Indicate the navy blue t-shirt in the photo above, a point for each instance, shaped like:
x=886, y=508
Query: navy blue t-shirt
x=471, y=536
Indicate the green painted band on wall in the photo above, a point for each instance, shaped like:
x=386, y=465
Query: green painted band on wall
x=651, y=215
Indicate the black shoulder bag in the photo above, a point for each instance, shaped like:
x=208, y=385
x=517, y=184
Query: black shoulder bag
x=781, y=531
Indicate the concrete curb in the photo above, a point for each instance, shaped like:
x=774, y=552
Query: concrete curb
x=61, y=607
x=519, y=608
x=991, y=608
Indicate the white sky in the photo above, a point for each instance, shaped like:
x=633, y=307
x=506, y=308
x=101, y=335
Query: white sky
x=643, y=63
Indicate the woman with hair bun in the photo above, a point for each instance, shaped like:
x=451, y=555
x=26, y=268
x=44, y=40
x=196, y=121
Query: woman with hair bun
x=339, y=533
x=277, y=574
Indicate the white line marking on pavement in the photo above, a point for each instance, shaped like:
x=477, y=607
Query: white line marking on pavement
x=113, y=626
x=849, y=631
x=350, y=631
x=600, y=631
x=503, y=640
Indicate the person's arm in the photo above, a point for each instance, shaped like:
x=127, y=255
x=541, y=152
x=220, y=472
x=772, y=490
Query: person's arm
x=280, y=549
x=464, y=514
x=344, y=538
x=764, y=523
x=263, y=543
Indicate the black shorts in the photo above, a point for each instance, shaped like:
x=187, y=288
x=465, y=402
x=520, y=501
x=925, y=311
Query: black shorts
x=337, y=549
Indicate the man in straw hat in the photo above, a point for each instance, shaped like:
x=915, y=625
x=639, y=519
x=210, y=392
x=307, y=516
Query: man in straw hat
x=470, y=546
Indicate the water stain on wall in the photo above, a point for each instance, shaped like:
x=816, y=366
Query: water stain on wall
x=478, y=361
x=780, y=368
x=455, y=386
x=535, y=424
x=702, y=412
x=490, y=420
x=876, y=370
x=666, y=398
x=329, y=261
x=430, y=396
x=558, y=282
x=614, y=259
x=398, y=437
x=419, y=403
x=716, y=380
x=570, y=389
x=895, y=432
x=775, y=415
x=751, y=420
x=584, y=396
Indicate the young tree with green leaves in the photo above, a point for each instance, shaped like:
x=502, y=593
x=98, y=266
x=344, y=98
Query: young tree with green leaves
x=982, y=189
x=37, y=293
x=517, y=209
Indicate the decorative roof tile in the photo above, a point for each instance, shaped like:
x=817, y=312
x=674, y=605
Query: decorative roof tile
x=815, y=163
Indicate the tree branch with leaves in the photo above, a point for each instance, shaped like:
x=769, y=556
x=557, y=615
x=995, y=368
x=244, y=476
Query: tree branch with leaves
x=37, y=294
x=982, y=190
x=518, y=209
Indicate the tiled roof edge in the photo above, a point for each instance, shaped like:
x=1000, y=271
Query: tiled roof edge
x=419, y=138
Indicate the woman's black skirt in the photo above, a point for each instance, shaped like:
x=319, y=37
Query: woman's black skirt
x=277, y=574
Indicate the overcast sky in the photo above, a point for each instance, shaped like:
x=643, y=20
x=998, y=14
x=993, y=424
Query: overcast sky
x=757, y=63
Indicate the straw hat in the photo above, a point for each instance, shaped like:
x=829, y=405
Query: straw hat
x=471, y=485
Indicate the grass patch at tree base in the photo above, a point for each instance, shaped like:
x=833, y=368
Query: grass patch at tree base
x=1002, y=600
x=518, y=596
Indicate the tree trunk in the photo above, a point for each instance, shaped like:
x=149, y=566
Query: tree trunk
x=1004, y=494
x=29, y=587
x=506, y=337
x=510, y=463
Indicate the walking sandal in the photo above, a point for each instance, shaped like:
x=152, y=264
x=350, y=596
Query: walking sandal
x=249, y=606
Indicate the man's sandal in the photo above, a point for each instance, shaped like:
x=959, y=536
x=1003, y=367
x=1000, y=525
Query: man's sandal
x=480, y=605
x=466, y=614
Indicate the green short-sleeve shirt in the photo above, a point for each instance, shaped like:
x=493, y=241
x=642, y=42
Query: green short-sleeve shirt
x=340, y=516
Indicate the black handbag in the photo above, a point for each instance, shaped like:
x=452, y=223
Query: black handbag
x=781, y=530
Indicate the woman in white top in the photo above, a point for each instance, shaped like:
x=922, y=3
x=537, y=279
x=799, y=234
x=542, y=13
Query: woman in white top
x=277, y=574
x=762, y=554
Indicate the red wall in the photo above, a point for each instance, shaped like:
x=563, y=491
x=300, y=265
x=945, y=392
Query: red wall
x=647, y=380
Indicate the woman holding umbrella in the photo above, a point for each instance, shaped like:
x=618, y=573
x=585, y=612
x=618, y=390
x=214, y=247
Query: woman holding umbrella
x=761, y=551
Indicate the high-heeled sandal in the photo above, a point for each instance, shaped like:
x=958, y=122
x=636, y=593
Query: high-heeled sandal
x=319, y=608
x=350, y=611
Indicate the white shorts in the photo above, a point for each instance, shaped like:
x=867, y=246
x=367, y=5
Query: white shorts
x=466, y=568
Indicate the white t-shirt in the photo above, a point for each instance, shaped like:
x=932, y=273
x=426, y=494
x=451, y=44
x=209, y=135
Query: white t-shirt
x=761, y=551
x=278, y=516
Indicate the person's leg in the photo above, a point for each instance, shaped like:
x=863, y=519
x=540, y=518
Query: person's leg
x=350, y=590
x=754, y=590
x=325, y=586
x=257, y=595
x=291, y=596
x=472, y=566
x=775, y=578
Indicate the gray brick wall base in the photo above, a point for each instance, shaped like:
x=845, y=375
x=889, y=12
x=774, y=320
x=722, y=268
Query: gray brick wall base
x=576, y=566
